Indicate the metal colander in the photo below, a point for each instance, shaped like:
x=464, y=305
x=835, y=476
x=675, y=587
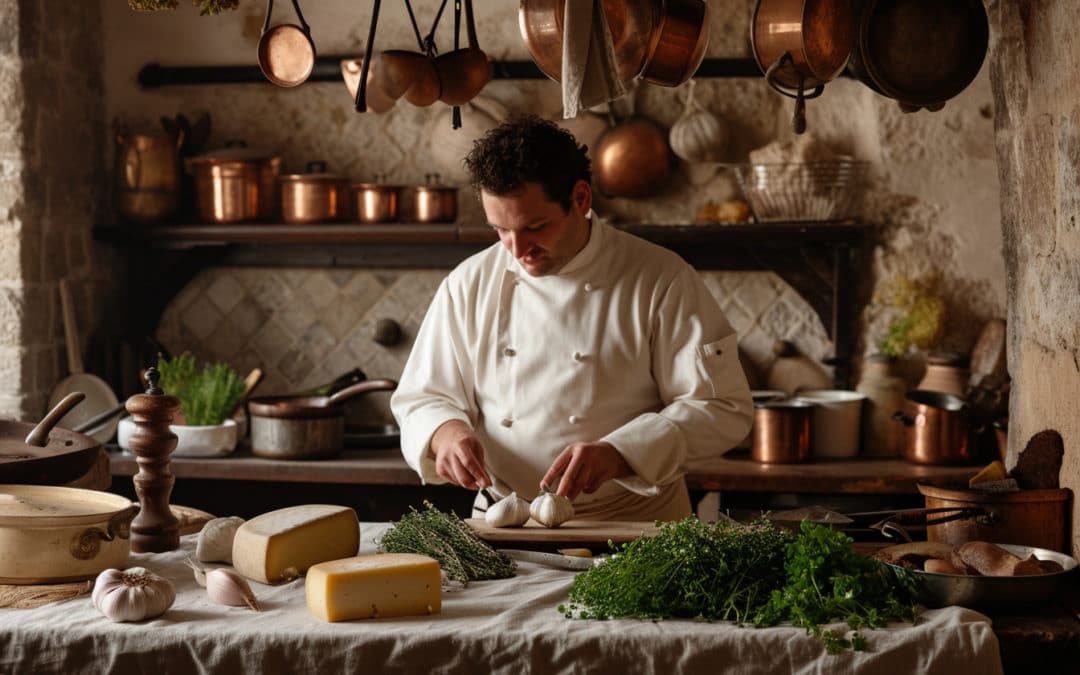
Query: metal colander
x=803, y=191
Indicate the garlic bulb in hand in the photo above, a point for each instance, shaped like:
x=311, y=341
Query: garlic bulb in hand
x=224, y=586
x=510, y=511
x=216, y=538
x=551, y=510
x=133, y=594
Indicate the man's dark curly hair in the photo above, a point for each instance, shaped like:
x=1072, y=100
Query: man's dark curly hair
x=528, y=149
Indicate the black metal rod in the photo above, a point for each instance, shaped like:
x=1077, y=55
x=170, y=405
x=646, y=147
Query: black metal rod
x=328, y=69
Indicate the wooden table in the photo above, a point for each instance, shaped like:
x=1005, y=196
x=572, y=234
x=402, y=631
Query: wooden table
x=387, y=467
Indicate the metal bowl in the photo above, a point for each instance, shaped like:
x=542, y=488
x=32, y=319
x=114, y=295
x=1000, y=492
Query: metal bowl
x=996, y=593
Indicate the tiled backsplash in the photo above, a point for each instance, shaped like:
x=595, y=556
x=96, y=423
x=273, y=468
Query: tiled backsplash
x=305, y=326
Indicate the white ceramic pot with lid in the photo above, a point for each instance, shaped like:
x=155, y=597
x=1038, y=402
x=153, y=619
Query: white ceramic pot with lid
x=835, y=425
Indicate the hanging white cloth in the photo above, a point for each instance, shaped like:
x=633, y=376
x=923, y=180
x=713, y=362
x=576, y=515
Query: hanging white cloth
x=590, y=71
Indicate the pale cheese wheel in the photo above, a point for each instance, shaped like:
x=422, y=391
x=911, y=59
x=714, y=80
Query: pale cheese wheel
x=283, y=544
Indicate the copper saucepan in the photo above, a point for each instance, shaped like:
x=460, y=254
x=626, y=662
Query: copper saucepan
x=781, y=433
x=938, y=429
x=304, y=427
x=286, y=51
x=314, y=196
x=800, y=45
x=677, y=43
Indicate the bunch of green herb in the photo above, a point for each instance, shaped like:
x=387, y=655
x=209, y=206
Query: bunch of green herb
x=207, y=395
x=443, y=536
x=205, y=6
x=691, y=569
x=827, y=582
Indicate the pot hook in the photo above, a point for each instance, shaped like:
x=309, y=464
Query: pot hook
x=361, y=91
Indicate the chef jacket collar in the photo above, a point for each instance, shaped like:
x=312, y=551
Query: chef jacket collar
x=597, y=230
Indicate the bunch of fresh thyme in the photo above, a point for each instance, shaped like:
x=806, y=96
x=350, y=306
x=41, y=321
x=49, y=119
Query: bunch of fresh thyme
x=461, y=553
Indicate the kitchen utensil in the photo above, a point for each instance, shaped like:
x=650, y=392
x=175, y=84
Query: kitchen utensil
x=937, y=429
x=781, y=432
x=250, y=382
x=677, y=43
x=801, y=45
x=1027, y=517
x=92, y=424
x=286, y=52
x=99, y=395
x=377, y=202
x=835, y=422
x=314, y=196
x=587, y=533
x=54, y=534
x=632, y=159
x=147, y=176
x=919, y=52
x=803, y=191
x=304, y=427
x=556, y=560
x=946, y=372
x=409, y=74
x=995, y=593
x=377, y=101
x=43, y=454
x=435, y=203
x=631, y=24
x=463, y=72
x=235, y=184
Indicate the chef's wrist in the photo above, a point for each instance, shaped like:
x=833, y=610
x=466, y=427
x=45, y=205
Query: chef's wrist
x=447, y=434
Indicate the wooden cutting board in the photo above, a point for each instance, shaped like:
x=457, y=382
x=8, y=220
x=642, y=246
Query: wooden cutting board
x=581, y=532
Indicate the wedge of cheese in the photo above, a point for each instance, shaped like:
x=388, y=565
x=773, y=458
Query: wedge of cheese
x=283, y=544
x=374, y=586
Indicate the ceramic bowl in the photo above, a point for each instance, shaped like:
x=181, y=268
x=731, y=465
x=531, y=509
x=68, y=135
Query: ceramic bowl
x=203, y=441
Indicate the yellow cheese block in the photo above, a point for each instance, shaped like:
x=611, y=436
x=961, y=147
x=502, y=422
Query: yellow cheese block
x=374, y=586
x=283, y=544
x=993, y=471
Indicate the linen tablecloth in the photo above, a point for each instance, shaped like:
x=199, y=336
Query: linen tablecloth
x=505, y=626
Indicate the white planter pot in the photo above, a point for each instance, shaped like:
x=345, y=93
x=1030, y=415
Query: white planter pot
x=204, y=441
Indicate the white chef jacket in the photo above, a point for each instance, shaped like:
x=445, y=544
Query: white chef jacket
x=625, y=345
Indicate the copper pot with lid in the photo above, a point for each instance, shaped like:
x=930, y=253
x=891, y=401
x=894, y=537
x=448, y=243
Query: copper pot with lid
x=314, y=196
x=377, y=202
x=435, y=203
x=235, y=184
x=938, y=429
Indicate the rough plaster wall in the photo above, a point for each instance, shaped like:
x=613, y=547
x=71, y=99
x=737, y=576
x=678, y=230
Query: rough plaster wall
x=1038, y=127
x=933, y=176
x=51, y=187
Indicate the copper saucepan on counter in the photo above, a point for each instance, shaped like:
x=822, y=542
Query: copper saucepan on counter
x=781, y=433
x=304, y=427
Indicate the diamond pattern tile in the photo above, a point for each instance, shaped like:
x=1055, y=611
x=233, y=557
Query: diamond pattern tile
x=304, y=327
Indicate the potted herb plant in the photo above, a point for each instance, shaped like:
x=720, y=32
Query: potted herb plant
x=207, y=396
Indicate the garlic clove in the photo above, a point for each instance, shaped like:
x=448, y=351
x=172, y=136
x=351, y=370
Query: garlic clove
x=216, y=539
x=510, y=511
x=227, y=587
x=200, y=571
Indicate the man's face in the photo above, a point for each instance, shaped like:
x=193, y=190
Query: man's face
x=536, y=230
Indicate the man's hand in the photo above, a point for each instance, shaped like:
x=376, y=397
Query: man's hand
x=585, y=467
x=459, y=457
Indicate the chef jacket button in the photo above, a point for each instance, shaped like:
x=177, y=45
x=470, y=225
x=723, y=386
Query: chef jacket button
x=578, y=356
x=574, y=419
x=509, y=351
x=588, y=287
x=507, y=422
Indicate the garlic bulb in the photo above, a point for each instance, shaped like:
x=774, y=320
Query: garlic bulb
x=133, y=594
x=698, y=135
x=510, y=511
x=224, y=586
x=551, y=510
x=216, y=538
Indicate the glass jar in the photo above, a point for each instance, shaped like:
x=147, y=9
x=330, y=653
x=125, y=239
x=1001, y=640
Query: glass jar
x=884, y=390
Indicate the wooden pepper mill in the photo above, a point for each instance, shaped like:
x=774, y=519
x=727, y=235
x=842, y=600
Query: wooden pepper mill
x=155, y=528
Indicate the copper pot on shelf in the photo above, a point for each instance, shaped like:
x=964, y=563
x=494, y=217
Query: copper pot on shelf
x=377, y=202
x=938, y=429
x=147, y=176
x=314, y=196
x=235, y=184
x=435, y=203
x=781, y=433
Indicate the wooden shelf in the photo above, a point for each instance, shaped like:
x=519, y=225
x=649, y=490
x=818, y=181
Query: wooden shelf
x=734, y=473
x=818, y=259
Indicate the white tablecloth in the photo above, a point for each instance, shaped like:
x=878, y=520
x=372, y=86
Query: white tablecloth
x=506, y=626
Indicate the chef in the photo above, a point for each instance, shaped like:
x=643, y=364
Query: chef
x=569, y=355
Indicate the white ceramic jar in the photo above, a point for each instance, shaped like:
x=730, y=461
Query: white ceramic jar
x=835, y=425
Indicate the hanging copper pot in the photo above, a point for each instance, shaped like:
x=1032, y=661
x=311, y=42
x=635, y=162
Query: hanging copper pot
x=919, y=52
x=801, y=45
x=677, y=44
x=632, y=159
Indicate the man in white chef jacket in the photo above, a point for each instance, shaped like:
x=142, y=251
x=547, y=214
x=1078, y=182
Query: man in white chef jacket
x=570, y=354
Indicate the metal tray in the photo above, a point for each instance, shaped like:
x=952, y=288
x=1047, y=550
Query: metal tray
x=996, y=593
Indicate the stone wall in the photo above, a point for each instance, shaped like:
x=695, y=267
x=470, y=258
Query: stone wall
x=51, y=190
x=933, y=176
x=1038, y=143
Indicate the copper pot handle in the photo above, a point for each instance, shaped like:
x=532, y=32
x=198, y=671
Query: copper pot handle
x=361, y=91
x=900, y=416
x=87, y=543
x=770, y=77
x=299, y=15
